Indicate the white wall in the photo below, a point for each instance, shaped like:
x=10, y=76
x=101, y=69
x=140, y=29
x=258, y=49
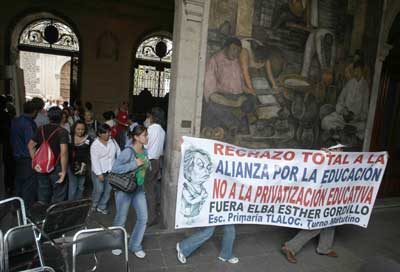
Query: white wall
x=42, y=73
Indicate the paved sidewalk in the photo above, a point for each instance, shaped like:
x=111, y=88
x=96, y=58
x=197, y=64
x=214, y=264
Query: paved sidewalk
x=258, y=248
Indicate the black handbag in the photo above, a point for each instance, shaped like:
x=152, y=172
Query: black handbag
x=125, y=182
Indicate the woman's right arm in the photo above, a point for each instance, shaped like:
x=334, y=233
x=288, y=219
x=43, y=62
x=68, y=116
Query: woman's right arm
x=244, y=65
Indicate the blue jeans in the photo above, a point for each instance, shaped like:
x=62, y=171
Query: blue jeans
x=75, y=185
x=193, y=242
x=101, y=192
x=138, y=201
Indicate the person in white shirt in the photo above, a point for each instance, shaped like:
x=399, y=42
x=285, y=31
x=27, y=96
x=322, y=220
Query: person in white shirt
x=155, y=148
x=352, y=106
x=103, y=152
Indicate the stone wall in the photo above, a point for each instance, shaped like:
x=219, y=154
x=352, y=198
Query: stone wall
x=42, y=74
x=29, y=63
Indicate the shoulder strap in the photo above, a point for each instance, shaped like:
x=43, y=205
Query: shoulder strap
x=52, y=134
x=42, y=132
x=133, y=150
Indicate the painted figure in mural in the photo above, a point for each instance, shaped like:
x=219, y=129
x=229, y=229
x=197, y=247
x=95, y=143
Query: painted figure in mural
x=300, y=14
x=322, y=43
x=324, y=91
x=358, y=57
x=196, y=170
x=228, y=102
x=352, y=107
x=255, y=55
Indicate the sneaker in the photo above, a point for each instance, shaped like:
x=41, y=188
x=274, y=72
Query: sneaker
x=102, y=211
x=233, y=260
x=179, y=255
x=140, y=254
x=116, y=252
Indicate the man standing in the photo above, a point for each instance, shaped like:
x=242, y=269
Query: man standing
x=41, y=118
x=22, y=130
x=155, y=150
x=52, y=187
x=122, y=124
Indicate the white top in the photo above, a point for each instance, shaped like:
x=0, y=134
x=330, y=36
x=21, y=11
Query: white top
x=103, y=156
x=355, y=98
x=111, y=122
x=155, y=146
x=337, y=146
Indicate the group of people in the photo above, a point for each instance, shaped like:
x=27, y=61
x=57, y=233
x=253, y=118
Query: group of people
x=84, y=149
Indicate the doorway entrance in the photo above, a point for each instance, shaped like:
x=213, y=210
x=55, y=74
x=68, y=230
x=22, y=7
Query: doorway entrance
x=386, y=132
x=49, y=56
x=151, y=75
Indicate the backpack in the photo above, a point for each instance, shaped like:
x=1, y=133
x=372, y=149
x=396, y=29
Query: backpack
x=114, y=132
x=43, y=161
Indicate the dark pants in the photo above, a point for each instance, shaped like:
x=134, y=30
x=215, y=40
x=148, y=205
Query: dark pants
x=50, y=191
x=230, y=118
x=25, y=181
x=150, y=183
x=121, y=138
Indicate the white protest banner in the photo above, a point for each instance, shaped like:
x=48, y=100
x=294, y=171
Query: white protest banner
x=223, y=184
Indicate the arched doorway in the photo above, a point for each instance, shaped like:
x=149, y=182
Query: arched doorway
x=41, y=44
x=65, y=79
x=386, y=131
x=151, y=74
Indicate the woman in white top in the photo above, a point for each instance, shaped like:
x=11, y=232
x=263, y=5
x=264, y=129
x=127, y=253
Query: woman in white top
x=103, y=152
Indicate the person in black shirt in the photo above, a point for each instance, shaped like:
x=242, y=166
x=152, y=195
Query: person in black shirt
x=79, y=159
x=52, y=187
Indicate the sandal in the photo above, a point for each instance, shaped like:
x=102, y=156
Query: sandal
x=331, y=253
x=289, y=254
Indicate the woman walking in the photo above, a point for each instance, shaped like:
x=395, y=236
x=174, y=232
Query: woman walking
x=133, y=158
x=103, y=152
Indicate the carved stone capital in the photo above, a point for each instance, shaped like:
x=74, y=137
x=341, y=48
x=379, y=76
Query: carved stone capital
x=384, y=51
x=194, y=9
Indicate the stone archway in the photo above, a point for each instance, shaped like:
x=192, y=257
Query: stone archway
x=21, y=21
x=65, y=79
x=391, y=9
x=19, y=40
x=384, y=118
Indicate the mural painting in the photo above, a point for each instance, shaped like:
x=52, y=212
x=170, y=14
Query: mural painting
x=289, y=73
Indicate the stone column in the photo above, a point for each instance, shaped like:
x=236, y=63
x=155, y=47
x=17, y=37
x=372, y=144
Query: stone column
x=185, y=101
